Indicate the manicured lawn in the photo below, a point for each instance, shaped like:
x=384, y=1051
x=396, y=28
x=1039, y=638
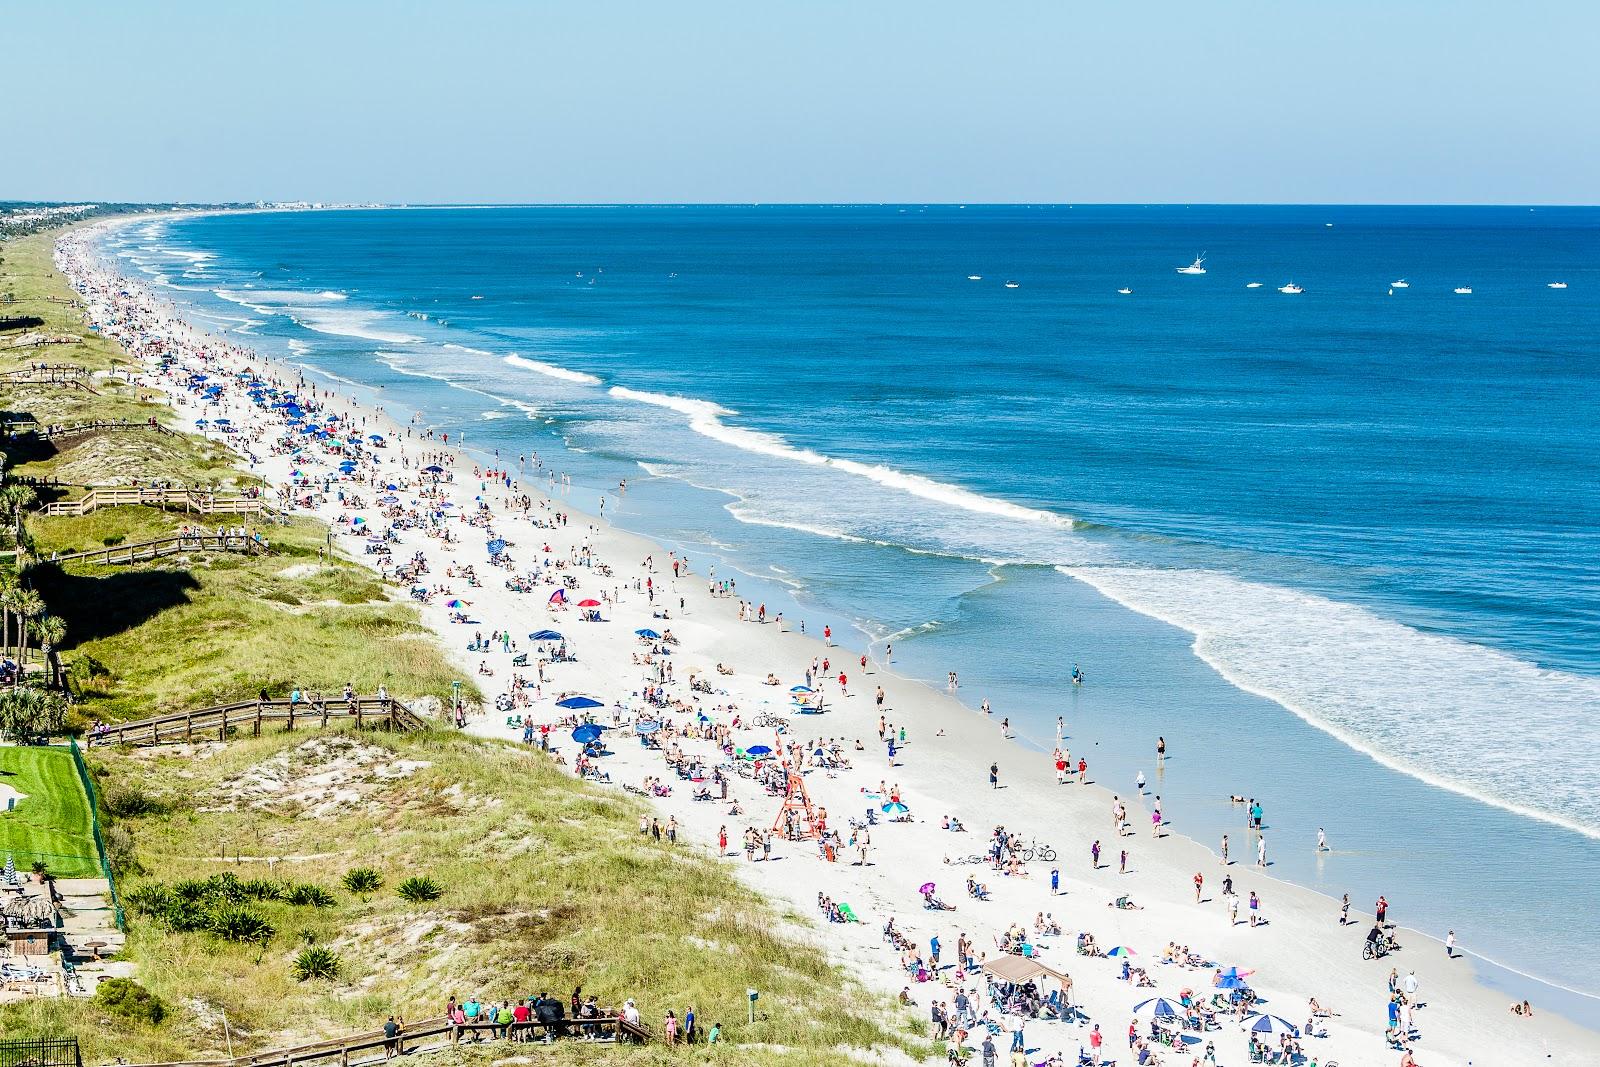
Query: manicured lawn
x=52, y=820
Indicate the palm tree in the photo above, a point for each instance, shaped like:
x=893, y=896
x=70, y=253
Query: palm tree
x=29, y=606
x=8, y=589
x=51, y=630
x=16, y=497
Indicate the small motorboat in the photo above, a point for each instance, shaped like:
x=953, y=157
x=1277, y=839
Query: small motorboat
x=1292, y=289
x=1011, y=285
x=1252, y=285
x=974, y=277
x=1463, y=290
x=1197, y=267
x=1125, y=291
x=1399, y=283
x=1555, y=285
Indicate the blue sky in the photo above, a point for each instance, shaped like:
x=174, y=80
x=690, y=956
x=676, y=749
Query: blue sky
x=465, y=101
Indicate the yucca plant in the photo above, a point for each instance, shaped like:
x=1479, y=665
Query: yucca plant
x=307, y=895
x=419, y=889
x=233, y=923
x=315, y=962
x=263, y=889
x=362, y=881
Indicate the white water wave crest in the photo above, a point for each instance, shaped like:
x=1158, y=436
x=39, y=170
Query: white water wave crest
x=552, y=371
x=706, y=418
x=1454, y=714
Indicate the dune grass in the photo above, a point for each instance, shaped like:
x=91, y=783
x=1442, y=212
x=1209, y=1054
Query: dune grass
x=51, y=822
x=190, y=632
x=547, y=885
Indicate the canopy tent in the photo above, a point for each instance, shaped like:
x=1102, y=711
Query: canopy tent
x=1020, y=969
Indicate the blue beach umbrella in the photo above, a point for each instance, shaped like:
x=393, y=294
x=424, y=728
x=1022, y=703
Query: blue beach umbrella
x=544, y=635
x=646, y=727
x=575, y=703
x=433, y=469
x=1271, y=1024
x=758, y=750
x=586, y=733
x=896, y=807
x=651, y=634
x=801, y=689
x=1122, y=950
x=1158, y=1007
x=497, y=546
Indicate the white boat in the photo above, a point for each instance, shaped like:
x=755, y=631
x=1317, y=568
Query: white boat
x=1252, y=285
x=1197, y=267
x=1556, y=285
x=1125, y=292
x=974, y=277
x=1011, y=285
x=1399, y=283
x=1464, y=290
x=1292, y=289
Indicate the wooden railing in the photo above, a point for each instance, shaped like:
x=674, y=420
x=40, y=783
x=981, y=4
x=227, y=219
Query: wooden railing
x=41, y=379
x=177, y=544
x=252, y=715
x=86, y=429
x=427, y=1036
x=191, y=500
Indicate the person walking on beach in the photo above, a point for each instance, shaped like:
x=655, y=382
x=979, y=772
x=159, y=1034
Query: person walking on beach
x=994, y=776
x=1344, y=911
x=1450, y=945
x=1225, y=850
x=1122, y=868
x=1255, y=907
x=1382, y=908
x=1322, y=840
x=1199, y=885
x=1261, y=851
x=1083, y=771
x=1094, y=854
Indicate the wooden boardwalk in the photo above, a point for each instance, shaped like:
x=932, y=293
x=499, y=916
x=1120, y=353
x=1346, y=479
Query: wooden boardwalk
x=194, y=501
x=177, y=544
x=429, y=1035
x=252, y=716
x=64, y=433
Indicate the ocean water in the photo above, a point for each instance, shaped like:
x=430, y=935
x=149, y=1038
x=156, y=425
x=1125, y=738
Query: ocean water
x=1339, y=548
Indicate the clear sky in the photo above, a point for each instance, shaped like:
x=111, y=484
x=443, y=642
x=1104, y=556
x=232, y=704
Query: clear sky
x=1434, y=101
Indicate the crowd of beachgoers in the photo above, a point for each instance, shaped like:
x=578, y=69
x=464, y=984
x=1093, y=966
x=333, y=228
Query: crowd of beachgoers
x=1025, y=910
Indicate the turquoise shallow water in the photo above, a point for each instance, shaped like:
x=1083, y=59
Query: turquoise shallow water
x=1346, y=538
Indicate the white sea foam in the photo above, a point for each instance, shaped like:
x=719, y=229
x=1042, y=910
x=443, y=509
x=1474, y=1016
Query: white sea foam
x=350, y=322
x=1456, y=715
x=299, y=347
x=552, y=371
x=706, y=418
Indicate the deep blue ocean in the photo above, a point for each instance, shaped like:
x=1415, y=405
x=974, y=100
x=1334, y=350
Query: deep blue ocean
x=1341, y=548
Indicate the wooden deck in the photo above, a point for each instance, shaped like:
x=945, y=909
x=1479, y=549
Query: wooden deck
x=193, y=501
x=427, y=1036
x=252, y=716
x=177, y=544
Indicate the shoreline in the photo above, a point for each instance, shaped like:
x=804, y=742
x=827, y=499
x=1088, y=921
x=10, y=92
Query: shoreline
x=951, y=759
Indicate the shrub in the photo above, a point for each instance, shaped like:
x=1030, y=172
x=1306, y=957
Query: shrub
x=315, y=962
x=128, y=999
x=151, y=899
x=129, y=801
x=114, y=540
x=363, y=881
x=121, y=853
x=264, y=889
x=312, y=896
x=419, y=890
x=241, y=925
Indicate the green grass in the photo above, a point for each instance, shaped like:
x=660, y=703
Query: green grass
x=547, y=885
x=51, y=822
x=173, y=635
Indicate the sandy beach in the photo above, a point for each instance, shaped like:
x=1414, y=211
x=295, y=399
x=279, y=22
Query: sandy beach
x=1293, y=946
